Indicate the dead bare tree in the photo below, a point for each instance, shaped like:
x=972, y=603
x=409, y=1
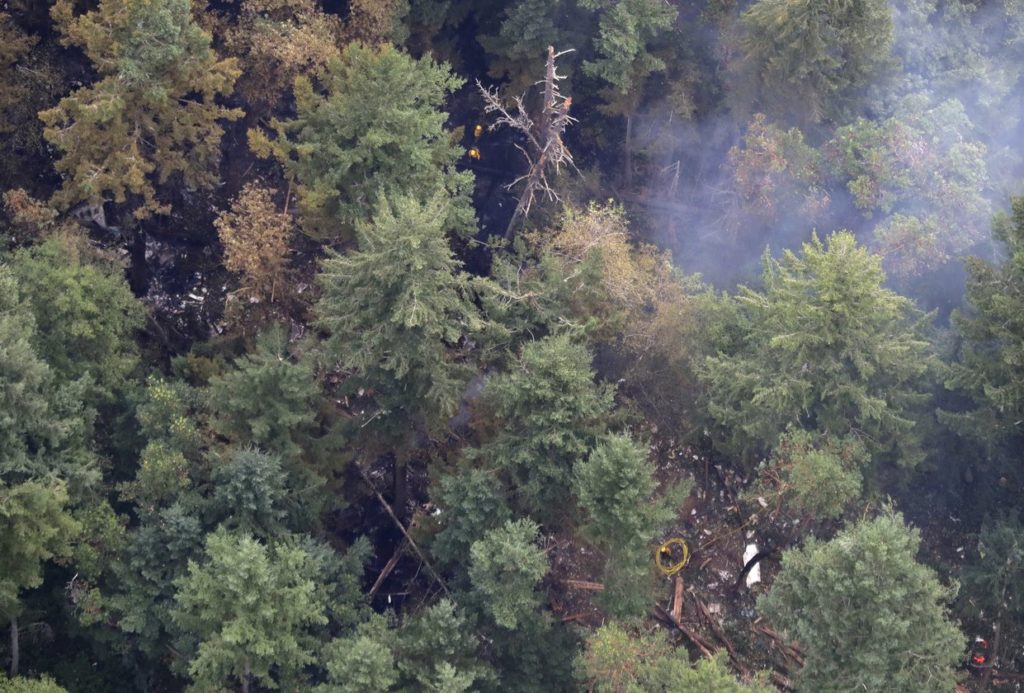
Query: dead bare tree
x=544, y=150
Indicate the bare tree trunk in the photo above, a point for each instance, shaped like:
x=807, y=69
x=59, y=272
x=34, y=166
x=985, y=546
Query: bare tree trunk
x=628, y=163
x=401, y=484
x=246, y=677
x=14, y=648
x=544, y=148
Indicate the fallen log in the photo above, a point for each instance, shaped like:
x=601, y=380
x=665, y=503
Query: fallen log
x=388, y=567
x=584, y=585
x=677, y=600
x=701, y=644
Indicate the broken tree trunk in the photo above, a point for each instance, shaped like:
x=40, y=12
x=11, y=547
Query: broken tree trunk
x=391, y=513
x=544, y=149
x=677, y=599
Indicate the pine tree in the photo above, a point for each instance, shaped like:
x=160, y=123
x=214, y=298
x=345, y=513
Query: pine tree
x=152, y=115
x=373, y=133
x=45, y=427
x=395, y=310
x=990, y=368
x=249, y=607
x=255, y=237
x=869, y=615
x=810, y=59
x=35, y=527
x=267, y=399
x=827, y=347
x=624, y=58
x=275, y=41
x=550, y=414
x=616, y=660
x=505, y=566
x=85, y=314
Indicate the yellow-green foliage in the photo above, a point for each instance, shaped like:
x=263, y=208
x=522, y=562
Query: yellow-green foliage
x=153, y=113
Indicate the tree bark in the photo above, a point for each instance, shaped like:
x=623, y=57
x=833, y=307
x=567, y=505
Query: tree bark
x=628, y=171
x=14, y=648
x=246, y=677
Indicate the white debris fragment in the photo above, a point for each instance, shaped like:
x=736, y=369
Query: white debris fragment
x=762, y=502
x=754, y=576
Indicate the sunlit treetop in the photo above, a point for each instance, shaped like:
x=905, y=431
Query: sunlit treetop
x=153, y=113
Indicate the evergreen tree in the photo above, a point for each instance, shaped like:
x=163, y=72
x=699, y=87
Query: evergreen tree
x=275, y=41
x=473, y=502
x=990, y=368
x=616, y=660
x=153, y=113
x=827, y=346
x=396, y=309
x=267, y=399
x=35, y=527
x=249, y=607
x=869, y=615
x=505, y=567
x=624, y=59
x=44, y=426
x=551, y=414
x=85, y=315
x=249, y=494
x=375, y=133
x=809, y=59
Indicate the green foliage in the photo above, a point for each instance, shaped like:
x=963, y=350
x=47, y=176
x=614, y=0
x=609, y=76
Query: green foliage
x=550, y=414
x=994, y=584
x=153, y=113
x=85, y=315
x=815, y=476
x=156, y=554
x=21, y=684
x=991, y=365
x=397, y=307
x=250, y=607
x=626, y=30
x=617, y=660
x=827, y=346
x=267, y=399
x=473, y=501
x=44, y=427
x=518, y=50
x=810, y=59
x=615, y=487
x=505, y=567
x=922, y=175
x=437, y=651
x=856, y=600
x=249, y=494
x=35, y=527
x=375, y=134
x=363, y=661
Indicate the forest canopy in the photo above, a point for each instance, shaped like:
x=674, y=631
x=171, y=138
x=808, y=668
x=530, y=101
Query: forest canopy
x=526, y=345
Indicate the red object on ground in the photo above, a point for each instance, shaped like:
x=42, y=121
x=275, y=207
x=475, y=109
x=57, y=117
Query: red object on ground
x=978, y=659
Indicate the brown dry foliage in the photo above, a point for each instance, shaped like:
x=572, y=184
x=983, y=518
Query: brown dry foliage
x=255, y=236
x=276, y=41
